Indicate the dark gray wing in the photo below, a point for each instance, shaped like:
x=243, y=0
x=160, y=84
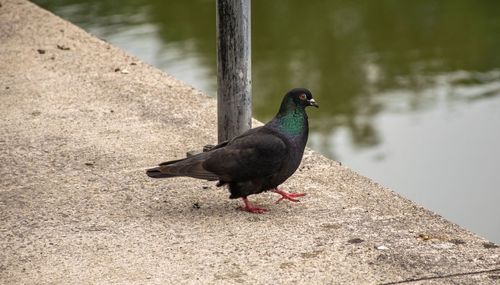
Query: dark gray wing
x=256, y=154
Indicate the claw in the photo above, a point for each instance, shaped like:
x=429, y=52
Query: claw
x=287, y=196
x=251, y=208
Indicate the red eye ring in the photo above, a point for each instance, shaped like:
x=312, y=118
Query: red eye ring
x=303, y=97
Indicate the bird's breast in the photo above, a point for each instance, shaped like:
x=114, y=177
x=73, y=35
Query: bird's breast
x=290, y=164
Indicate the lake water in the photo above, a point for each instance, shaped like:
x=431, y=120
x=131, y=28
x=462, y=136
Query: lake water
x=409, y=90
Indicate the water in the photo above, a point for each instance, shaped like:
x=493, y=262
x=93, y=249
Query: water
x=409, y=91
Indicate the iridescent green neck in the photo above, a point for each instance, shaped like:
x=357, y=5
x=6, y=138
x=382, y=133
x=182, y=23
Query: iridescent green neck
x=293, y=121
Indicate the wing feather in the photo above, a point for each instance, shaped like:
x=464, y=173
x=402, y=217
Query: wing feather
x=248, y=157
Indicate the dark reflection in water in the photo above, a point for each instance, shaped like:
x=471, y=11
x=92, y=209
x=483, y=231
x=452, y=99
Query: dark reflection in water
x=409, y=90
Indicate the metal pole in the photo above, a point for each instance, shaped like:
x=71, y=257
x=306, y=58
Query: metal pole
x=234, y=102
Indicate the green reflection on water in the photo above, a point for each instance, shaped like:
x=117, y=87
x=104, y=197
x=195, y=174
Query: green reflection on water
x=347, y=52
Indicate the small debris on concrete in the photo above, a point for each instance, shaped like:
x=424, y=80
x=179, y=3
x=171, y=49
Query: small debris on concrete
x=36, y=113
x=89, y=163
x=355, y=240
x=490, y=245
x=457, y=241
x=196, y=205
x=133, y=63
x=424, y=236
x=62, y=47
x=52, y=57
x=381, y=247
x=204, y=187
x=41, y=51
x=123, y=71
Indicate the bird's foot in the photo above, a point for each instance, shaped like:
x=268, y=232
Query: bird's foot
x=287, y=196
x=251, y=208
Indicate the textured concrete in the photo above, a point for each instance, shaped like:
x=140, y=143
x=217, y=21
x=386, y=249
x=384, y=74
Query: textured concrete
x=76, y=207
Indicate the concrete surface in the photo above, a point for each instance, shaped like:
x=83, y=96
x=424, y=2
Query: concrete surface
x=76, y=207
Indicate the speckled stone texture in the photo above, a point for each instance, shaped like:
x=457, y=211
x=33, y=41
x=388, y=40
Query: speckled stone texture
x=76, y=206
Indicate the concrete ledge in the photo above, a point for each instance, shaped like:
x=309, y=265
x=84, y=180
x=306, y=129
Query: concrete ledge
x=76, y=207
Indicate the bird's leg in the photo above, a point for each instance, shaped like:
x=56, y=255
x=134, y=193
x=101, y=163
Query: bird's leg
x=251, y=208
x=286, y=195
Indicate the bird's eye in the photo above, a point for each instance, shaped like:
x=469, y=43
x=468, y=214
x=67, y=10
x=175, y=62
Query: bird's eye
x=303, y=97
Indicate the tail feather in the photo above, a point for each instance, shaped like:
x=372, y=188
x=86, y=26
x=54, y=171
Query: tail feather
x=171, y=162
x=190, y=167
x=156, y=173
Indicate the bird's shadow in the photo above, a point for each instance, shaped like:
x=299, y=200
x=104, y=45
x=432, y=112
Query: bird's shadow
x=219, y=206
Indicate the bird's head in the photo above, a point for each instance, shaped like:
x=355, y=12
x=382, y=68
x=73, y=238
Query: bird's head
x=300, y=97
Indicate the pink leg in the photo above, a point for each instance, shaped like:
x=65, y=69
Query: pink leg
x=251, y=208
x=286, y=195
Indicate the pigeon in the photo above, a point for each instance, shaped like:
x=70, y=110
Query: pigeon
x=256, y=161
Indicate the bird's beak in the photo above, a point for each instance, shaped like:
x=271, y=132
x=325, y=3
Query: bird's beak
x=312, y=103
